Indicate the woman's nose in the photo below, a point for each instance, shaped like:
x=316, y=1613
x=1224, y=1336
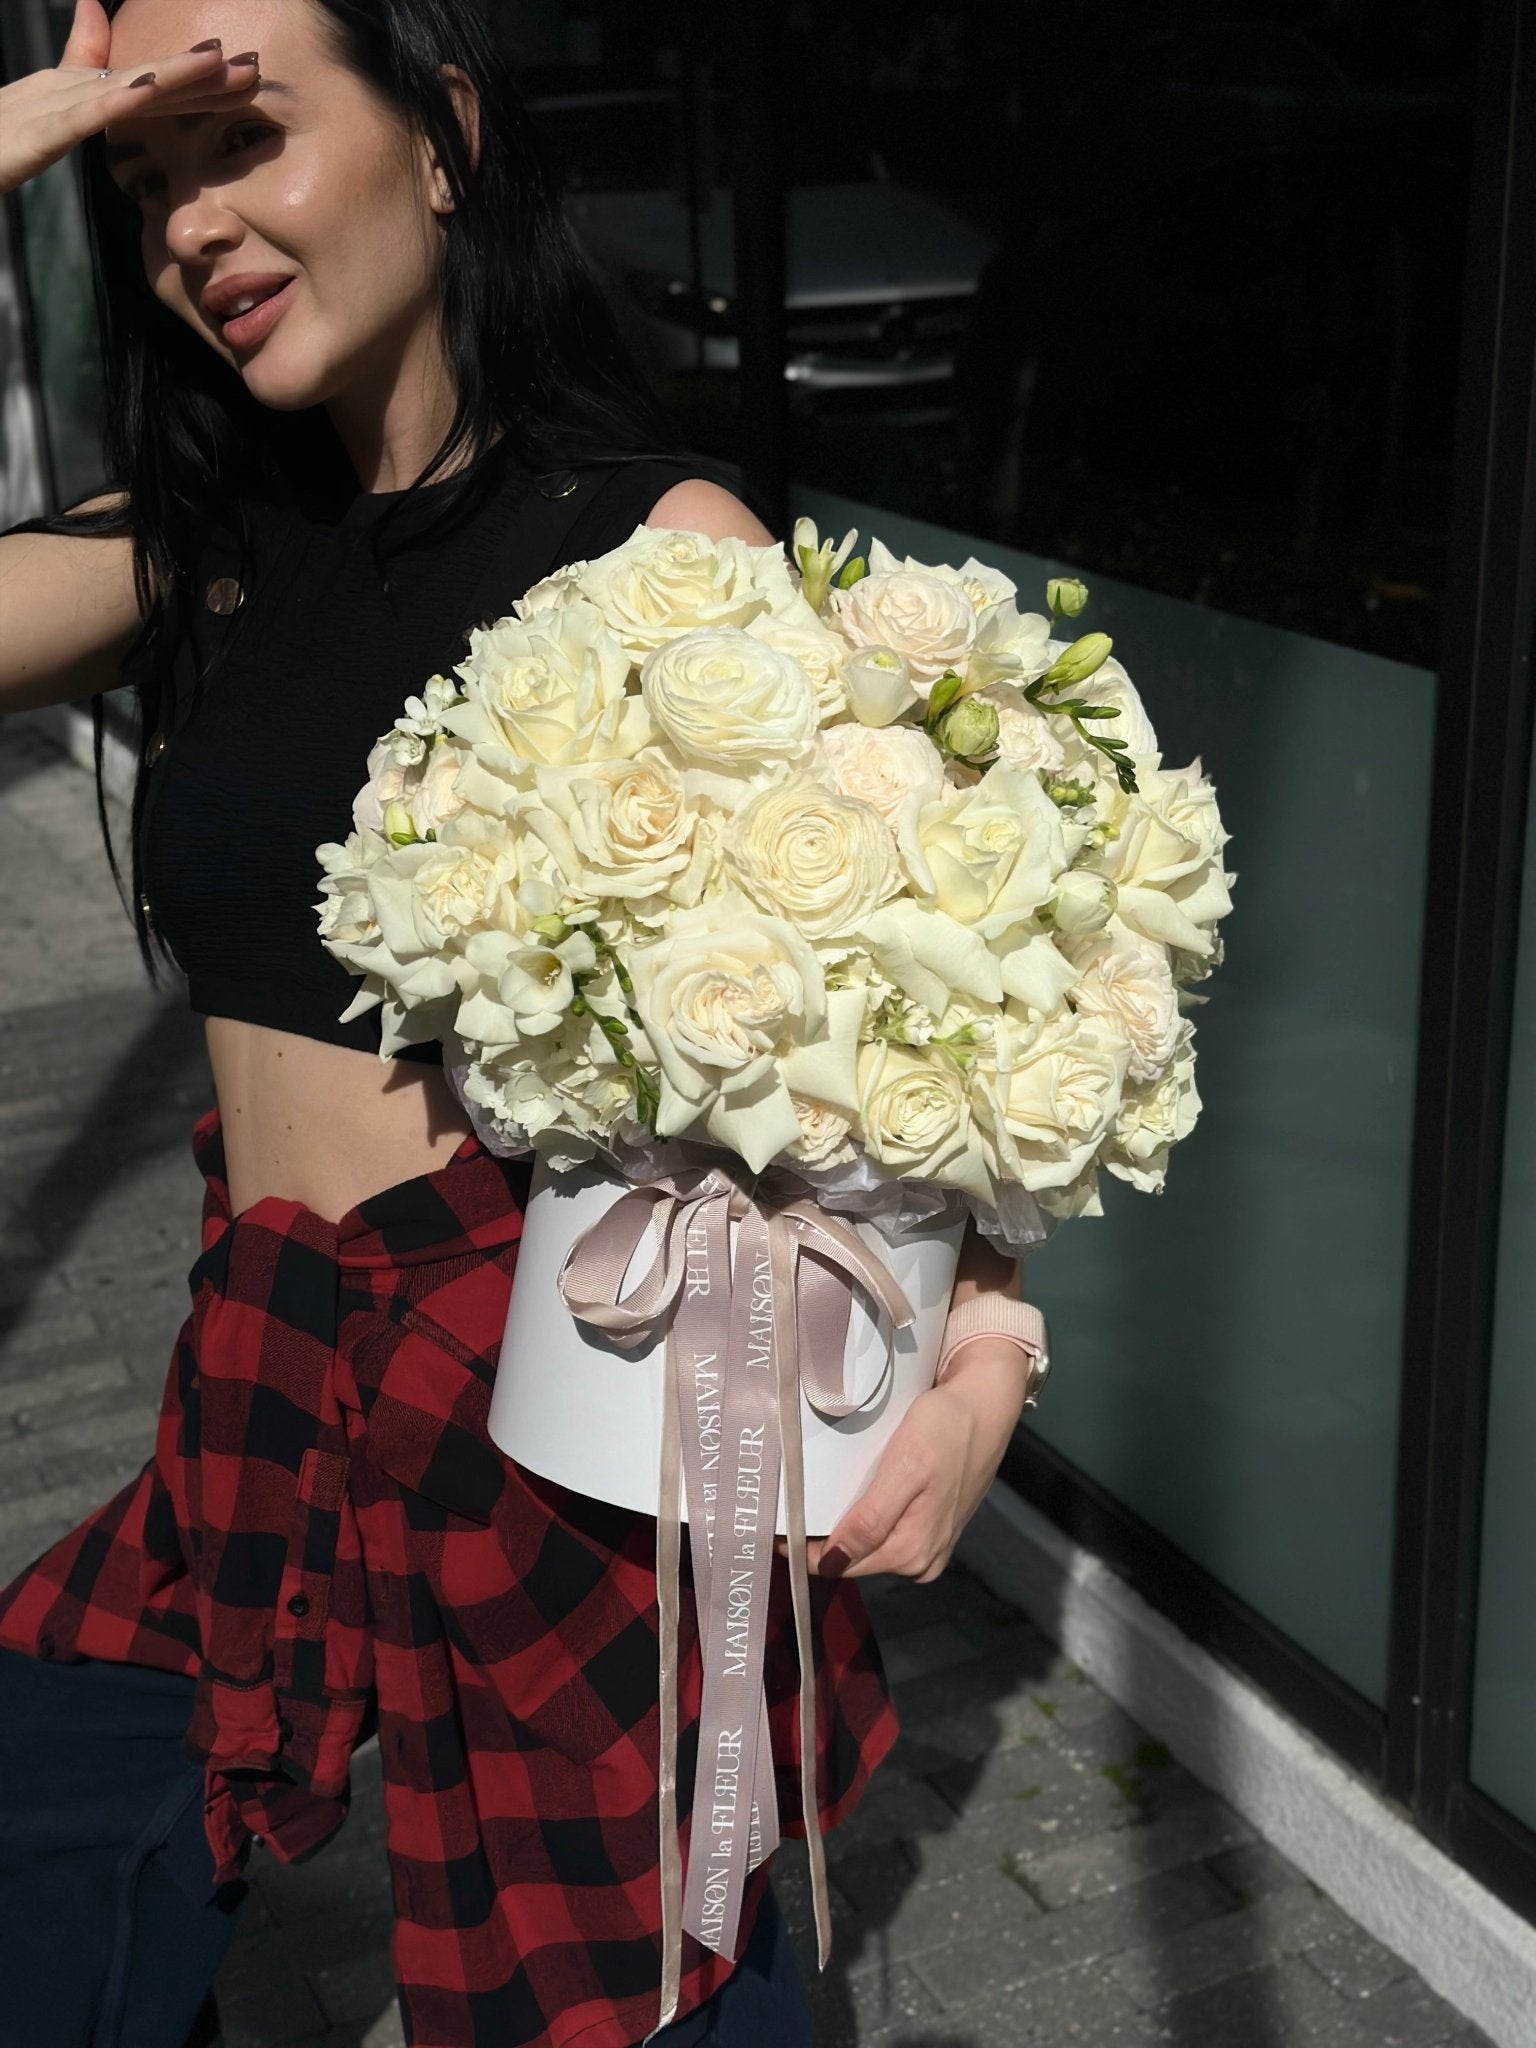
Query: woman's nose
x=199, y=222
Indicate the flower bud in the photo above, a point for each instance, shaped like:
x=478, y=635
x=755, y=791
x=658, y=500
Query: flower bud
x=399, y=826
x=942, y=693
x=552, y=928
x=1065, y=794
x=968, y=730
x=879, y=685
x=1066, y=596
x=818, y=561
x=1075, y=664
x=1084, y=902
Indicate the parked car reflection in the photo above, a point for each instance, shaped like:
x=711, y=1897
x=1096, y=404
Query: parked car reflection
x=880, y=279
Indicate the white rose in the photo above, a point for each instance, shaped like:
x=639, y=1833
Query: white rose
x=622, y=828
x=728, y=996
x=722, y=696
x=822, y=860
x=878, y=681
x=1153, y=1119
x=1165, y=857
x=981, y=585
x=819, y=652
x=1051, y=1098
x=989, y=856
x=1084, y=902
x=914, y=1117
x=1127, y=984
x=885, y=766
x=661, y=583
x=426, y=787
x=551, y=688
x=929, y=621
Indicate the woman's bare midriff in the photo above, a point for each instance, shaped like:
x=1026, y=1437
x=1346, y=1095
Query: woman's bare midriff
x=322, y=1124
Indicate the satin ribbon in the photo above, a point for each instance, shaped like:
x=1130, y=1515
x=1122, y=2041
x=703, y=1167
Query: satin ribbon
x=744, y=1336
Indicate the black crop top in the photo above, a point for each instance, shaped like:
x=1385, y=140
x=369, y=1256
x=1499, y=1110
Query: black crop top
x=261, y=757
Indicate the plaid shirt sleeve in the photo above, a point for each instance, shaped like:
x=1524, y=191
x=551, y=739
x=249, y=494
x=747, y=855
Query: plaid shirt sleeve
x=326, y=1539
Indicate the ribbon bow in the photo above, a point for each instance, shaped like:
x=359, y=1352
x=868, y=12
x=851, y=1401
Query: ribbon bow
x=743, y=1338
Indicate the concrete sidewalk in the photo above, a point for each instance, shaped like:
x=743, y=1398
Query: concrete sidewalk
x=1028, y=1867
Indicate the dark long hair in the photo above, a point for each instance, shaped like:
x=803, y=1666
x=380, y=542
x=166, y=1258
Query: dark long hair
x=533, y=347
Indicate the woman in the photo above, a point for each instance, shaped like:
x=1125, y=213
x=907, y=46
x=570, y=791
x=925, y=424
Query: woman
x=359, y=394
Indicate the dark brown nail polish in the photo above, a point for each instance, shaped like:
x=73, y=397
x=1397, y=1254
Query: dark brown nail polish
x=834, y=1562
x=144, y=78
x=213, y=43
x=245, y=57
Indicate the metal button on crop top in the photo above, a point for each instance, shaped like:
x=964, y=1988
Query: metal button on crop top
x=266, y=749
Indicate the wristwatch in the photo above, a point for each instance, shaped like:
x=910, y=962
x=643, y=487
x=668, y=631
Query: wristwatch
x=998, y=1315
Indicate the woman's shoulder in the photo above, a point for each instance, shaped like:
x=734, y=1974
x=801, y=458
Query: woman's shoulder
x=685, y=490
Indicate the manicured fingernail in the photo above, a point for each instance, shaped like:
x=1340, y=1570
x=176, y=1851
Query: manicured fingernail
x=213, y=43
x=834, y=1562
x=144, y=78
x=245, y=57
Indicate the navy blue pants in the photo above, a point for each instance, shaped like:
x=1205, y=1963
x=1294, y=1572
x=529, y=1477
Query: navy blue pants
x=111, y=1930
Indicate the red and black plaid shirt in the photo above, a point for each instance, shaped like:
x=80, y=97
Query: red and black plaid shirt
x=326, y=1533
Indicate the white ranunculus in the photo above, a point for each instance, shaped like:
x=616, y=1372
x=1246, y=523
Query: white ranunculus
x=550, y=688
x=879, y=685
x=724, y=996
x=661, y=583
x=914, y=1117
x=1153, y=1119
x=1126, y=983
x=929, y=621
x=1051, y=1097
x=725, y=697
x=427, y=787
x=1026, y=738
x=1165, y=858
x=989, y=856
x=622, y=828
x=820, y=859
x=888, y=767
x=819, y=652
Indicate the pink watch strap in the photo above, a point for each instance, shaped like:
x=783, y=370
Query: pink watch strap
x=994, y=1315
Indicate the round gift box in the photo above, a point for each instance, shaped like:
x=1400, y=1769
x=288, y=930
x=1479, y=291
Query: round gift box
x=570, y=1406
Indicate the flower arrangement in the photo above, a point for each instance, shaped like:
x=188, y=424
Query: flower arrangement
x=840, y=863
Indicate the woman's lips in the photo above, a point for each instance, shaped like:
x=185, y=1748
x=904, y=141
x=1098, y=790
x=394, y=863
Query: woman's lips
x=246, y=328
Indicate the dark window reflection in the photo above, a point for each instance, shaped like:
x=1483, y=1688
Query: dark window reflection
x=1172, y=293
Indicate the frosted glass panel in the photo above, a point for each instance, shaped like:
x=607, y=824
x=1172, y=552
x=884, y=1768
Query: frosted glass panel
x=1227, y=1354
x=1504, y=1672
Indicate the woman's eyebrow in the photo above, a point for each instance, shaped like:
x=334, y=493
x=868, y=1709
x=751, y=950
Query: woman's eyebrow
x=120, y=152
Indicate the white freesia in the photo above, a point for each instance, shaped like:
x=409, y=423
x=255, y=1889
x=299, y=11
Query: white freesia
x=1110, y=685
x=724, y=697
x=809, y=854
x=888, y=767
x=931, y=623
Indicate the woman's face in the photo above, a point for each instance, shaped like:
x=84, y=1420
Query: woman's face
x=311, y=179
